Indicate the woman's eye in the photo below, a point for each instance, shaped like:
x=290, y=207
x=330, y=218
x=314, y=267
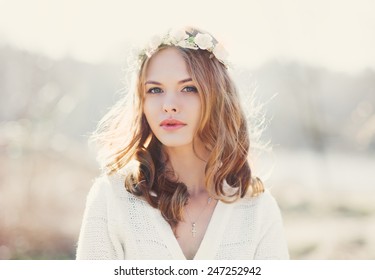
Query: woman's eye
x=155, y=90
x=190, y=89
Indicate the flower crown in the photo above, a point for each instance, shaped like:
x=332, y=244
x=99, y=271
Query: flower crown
x=191, y=40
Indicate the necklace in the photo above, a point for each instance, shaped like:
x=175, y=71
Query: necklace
x=194, y=223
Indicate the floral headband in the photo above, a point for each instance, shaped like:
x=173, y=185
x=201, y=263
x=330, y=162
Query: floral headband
x=191, y=40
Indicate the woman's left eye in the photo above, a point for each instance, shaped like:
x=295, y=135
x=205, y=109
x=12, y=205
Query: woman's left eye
x=190, y=89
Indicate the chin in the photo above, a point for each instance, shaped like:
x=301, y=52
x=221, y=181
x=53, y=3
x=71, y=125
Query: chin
x=174, y=143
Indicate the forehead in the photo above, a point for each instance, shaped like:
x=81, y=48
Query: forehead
x=167, y=64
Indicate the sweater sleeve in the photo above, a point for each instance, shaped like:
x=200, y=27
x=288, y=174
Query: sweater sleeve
x=272, y=244
x=95, y=240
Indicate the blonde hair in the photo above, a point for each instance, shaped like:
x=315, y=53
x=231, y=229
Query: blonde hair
x=124, y=136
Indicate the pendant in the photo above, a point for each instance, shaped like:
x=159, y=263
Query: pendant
x=193, y=229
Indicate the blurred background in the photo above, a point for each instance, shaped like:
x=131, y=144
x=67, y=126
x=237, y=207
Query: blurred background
x=309, y=65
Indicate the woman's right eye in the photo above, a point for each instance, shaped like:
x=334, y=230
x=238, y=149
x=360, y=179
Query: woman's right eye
x=155, y=90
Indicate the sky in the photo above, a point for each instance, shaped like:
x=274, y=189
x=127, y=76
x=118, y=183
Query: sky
x=336, y=34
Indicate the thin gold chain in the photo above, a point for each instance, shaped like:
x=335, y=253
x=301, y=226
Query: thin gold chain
x=194, y=223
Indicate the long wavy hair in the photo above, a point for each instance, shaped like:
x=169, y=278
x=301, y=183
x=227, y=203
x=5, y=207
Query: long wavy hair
x=125, y=140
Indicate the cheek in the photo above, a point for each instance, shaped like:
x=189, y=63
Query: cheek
x=149, y=110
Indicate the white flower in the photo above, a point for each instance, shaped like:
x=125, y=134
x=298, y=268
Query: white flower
x=187, y=44
x=178, y=35
x=204, y=41
x=220, y=53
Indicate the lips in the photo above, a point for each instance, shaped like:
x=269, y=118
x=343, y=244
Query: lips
x=172, y=124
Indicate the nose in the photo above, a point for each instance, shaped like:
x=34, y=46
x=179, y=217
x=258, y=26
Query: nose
x=170, y=105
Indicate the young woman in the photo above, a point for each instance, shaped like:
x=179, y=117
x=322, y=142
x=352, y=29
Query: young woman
x=177, y=181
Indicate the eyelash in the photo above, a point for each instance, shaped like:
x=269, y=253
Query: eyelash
x=192, y=89
x=152, y=89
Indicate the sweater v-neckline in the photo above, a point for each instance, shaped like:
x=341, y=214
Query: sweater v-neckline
x=211, y=239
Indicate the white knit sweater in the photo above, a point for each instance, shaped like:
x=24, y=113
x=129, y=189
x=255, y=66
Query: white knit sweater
x=119, y=225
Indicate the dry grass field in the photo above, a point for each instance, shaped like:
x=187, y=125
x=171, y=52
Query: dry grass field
x=42, y=199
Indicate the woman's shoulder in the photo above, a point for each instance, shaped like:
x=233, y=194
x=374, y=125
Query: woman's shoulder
x=262, y=201
x=108, y=185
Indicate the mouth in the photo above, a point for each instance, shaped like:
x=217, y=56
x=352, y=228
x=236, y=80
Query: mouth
x=171, y=124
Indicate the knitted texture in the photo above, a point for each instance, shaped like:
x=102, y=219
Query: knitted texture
x=119, y=225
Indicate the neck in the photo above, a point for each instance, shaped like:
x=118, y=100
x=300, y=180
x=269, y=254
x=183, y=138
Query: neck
x=189, y=168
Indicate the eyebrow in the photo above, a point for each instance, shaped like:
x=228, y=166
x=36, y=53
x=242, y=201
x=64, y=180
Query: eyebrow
x=180, y=82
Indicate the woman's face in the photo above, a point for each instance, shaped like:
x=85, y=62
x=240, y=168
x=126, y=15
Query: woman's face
x=172, y=104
